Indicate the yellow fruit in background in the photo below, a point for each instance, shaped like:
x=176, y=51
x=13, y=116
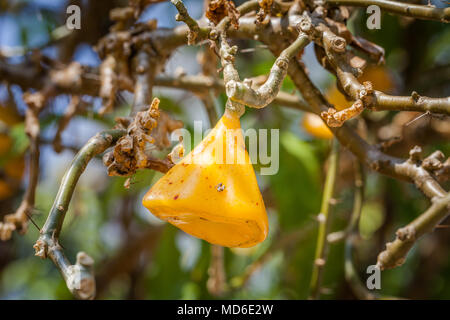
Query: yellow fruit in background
x=378, y=75
x=314, y=125
x=337, y=99
x=11, y=171
x=9, y=115
x=210, y=197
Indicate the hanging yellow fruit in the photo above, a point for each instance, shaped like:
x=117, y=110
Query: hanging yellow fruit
x=212, y=193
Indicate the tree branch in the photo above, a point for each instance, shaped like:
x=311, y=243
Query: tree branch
x=396, y=251
x=400, y=8
x=184, y=16
x=79, y=277
x=323, y=219
x=19, y=220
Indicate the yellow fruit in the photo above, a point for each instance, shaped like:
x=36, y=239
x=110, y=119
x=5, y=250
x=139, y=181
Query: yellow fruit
x=380, y=78
x=212, y=193
x=5, y=144
x=315, y=126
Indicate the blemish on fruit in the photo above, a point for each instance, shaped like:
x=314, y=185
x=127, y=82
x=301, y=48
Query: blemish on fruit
x=176, y=197
x=220, y=187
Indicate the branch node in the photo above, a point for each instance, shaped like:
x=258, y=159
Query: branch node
x=338, y=44
x=80, y=277
x=41, y=248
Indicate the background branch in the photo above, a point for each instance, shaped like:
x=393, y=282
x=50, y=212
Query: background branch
x=400, y=8
x=79, y=277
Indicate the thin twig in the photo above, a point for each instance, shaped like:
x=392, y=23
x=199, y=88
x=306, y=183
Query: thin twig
x=396, y=251
x=71, y=111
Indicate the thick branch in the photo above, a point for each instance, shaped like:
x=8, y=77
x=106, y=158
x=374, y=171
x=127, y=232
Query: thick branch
x=323, y=219
x=19, y=219
x=230, y=73
x=79, y=277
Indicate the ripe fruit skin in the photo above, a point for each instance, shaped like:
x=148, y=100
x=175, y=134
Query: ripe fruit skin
x=314, y=125
x=209, y=198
